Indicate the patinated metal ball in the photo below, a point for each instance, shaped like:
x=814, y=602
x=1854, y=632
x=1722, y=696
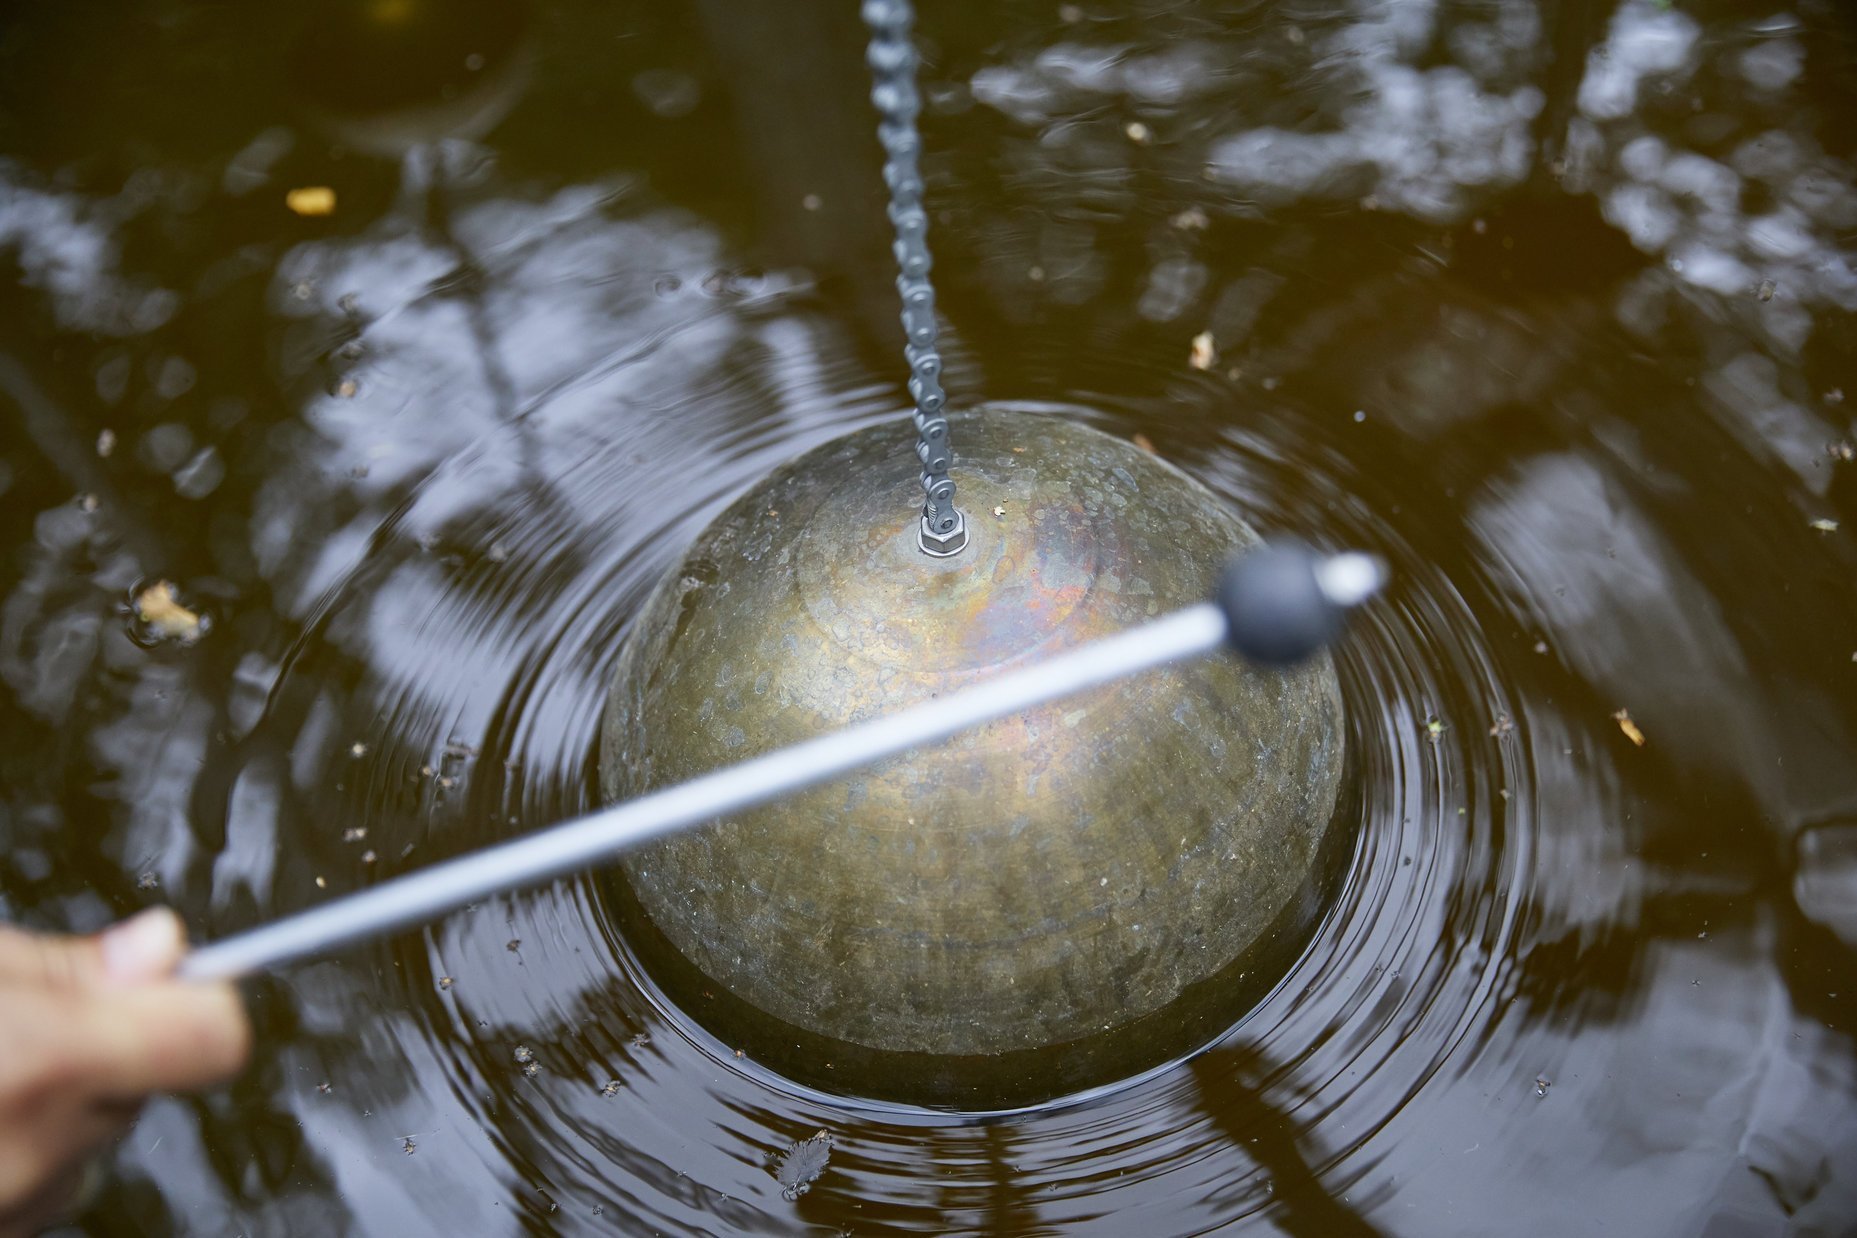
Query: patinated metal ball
x=1044, y=904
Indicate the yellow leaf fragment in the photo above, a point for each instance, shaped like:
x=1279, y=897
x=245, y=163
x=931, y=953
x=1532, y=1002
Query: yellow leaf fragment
x=1202, y=356
x=1625, y=724
x=160, y=608
x=311, y=200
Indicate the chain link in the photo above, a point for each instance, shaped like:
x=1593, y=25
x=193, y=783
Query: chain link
x=892, y=58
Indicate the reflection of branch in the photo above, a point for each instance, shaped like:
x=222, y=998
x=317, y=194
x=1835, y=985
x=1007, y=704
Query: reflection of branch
x=1575, y=27
x=470, y=290
x=807, y=135
x=1247, y=1118
x=1599, y=972
x=1011, y=1208
x=54, y=433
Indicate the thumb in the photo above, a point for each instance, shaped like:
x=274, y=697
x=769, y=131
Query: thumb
x=147, y=946
x=158, y=1037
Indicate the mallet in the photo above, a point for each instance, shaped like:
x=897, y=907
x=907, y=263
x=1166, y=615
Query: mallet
x=1275, y=605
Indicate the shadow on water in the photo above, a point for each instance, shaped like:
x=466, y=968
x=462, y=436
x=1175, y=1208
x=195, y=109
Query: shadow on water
x=1550, y=304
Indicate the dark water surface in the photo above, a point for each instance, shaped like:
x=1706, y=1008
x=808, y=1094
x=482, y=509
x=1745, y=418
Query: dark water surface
x=1549, y=304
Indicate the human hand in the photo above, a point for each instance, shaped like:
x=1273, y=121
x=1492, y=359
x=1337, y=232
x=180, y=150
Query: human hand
x=89, y=1028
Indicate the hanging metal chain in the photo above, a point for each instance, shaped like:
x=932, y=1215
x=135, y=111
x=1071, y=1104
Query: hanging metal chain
x=892, y=58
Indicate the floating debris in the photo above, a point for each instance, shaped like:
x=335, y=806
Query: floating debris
x=1434, y=728
x=1143, y=442
x=409, y=1146
x=999, y=511
x=159, y=610
x=368, y=856
x=1138, y=133
x=1192, y=219
x=321, y=884
x=311, y=200
x=354, y=833
x=513, y=945
x=800, y=1164
x=445, y=983
x=611, y=1088
x=357, y=749
x=1203, y=354
x=87, y=502
x=1625, y=724
x=1766, y=290
x=1825, y=526
x=147, y=881
x=524, y=1054
x=1504, y=726
x=106, y=442
x=347, y=388
x=1542, y=1084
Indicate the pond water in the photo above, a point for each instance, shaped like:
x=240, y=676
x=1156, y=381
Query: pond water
x=1551, y=305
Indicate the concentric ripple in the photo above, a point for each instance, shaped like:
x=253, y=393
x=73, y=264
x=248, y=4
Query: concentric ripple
x=1547, y=304
x=483, y=629
x=443, y=689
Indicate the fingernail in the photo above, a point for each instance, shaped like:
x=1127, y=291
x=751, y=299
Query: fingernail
x=144, y=947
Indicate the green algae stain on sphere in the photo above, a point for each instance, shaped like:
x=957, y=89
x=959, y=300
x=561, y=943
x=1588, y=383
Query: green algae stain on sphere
x=1047, y=903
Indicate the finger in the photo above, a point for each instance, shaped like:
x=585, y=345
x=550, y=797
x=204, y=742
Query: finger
x=60, y=1200
x=144, y=947
x=43, y=960
x=159, y=1038
x=42, y=1139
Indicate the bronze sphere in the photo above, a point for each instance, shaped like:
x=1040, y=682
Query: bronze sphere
x=1042, y=905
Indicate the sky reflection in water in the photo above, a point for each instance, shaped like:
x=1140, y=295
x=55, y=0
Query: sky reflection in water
x=1550, y=307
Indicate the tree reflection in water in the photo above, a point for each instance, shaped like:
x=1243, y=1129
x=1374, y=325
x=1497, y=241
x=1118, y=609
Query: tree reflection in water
x=1549, y=302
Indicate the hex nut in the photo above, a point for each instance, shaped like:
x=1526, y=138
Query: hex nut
x=944, y=545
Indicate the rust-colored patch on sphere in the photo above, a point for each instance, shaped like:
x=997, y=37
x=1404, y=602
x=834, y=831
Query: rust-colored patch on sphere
x=1047, y=903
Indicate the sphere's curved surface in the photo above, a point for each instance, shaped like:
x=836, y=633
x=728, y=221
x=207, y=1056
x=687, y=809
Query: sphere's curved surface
x=1046, y=903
